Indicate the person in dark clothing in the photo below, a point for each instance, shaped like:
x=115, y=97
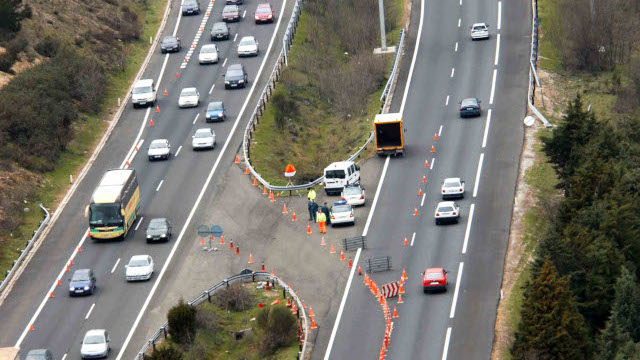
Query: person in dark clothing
x=325, y=210
x=314, y=210
x=310, y=208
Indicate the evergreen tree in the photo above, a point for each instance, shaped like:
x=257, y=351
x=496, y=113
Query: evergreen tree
x=11, y=13
x=629, y=351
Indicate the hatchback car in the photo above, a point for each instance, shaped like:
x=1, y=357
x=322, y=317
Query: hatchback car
x=204, y=138
x=215, y=112
x=190, y=7
x=159, y=229
x=189, y=97
x=479, y=31
x=231, y=13
x=470, y=107
x=39, y=354
x=170, y=43
x=452, y=188
x=95, y=344
x=341, y=213
x=434, y=279
x=235, y=77
x=209, y=54
x=248, y=46
x=140, y=268
x=220, y=31
x=159, y=149
x=82, y=282
x=264, y=13
x=447, y=211
x=353, y=195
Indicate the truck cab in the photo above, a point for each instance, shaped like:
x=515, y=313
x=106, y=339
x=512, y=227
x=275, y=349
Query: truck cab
x=388, y=132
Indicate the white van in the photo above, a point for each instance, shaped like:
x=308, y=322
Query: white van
x=144, y=93
x=340, y=174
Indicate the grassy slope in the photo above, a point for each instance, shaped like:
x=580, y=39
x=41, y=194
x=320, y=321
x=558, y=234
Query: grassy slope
x=87, y=135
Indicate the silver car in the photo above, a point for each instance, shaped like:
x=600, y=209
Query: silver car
x=209, y=54
x=452, y=188
x=95, y=344
x=139, y=268
x=353, y=195
x=204, y=138
x=479, y=31
x=447, y=211
x=159, y=149
x=248, y=46
x=341, y=213
x=189, y=97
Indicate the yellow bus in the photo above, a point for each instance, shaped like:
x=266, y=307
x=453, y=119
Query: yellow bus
x=114, y=204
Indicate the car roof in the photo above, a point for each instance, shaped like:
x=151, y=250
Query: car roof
x=434, y=270
x=209, y=46
x=139, y=257
x=479, y=24
x=201, y=130
x=160, y=141
x=446, y=203
x=37, y=352
x=215, y=104
x=452, y=179
x=157, y=220
x=235, y=67
x=144, y=82
x=189, y=89
x=247, y=38
x=339, y=165
x=264, y=5
x=95, y=332
x=169, y=37
x=220, y=24
x=82, y=271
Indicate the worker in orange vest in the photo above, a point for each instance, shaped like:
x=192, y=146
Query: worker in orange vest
x=322, y=222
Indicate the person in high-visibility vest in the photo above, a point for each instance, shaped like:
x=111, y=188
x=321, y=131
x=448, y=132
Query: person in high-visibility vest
x=311, y=195
x=322, y=222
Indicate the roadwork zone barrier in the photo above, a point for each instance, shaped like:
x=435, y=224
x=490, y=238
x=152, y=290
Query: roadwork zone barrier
x=354, y=243
x=390, y=289
x=375, y=291
x=378, y=264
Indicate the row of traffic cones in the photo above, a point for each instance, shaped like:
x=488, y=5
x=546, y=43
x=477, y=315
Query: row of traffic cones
x=373, y=287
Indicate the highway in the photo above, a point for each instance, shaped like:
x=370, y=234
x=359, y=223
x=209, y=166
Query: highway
x=484, y=151
x=171, y=189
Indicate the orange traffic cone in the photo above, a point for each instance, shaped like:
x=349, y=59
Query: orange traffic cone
x=264, y=190
x=433, y=149
x=237, y=250
x=323, y=243
x=288, y=302
x=313, y=324
x=311, y=314
x=262, y=267
x=276, y=301
x=435, y=136
x=71, y=262
x=332, y=250
x=420, y=192
x=221, y=240
x=250, y=258
x=165, y=92
x=79, y=249
x=415, y=212
x=424, y=179
x=255, y=182
x=271, y=198
x=366, y=279
x=51, y=295
x=426, y=163
x=342, y=255
x=401, y=290
x=406, y=242
x=272, y=273
x=67, y=267
x=294, y=308
x=404, y=274
x=400, y=299
x=308, y=229
x=294, y=216
x=31, y=327
x=201, y=240
x=395, y=312
x=350, y=263
x=59, y=282
x=284, y=209
x=177, y=76
x=231, y=245
x=157, y=108
x=151, y=123
x=246, y=171
x=236, y=161
x=359, y=270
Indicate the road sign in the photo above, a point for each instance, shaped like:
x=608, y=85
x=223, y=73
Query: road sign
x=390, y=289
x=216, y=230
x=203, y=230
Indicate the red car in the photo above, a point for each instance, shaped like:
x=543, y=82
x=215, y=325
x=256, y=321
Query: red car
x=434, y=279
x=264, y=13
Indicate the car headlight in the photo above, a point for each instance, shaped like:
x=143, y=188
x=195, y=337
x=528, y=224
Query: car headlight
x=240, y=81
x=86, y=288
x=163, y=235
x=226, y=82
x=257, y=17
x=71, y=288
x=149, y=236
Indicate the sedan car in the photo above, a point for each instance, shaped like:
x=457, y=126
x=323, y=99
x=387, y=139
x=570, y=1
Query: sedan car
x=452, y=188
x=190, y=7
x=341, y=213
x=189, y=97
x=39, y=354
x=264, y=13
x=248, y=46
x=479, y=31
x=170, y=43
x=204, y=138
x=235, y=77
x=95, y=344
x=82, y=282
x=220, y=31
x=470, y=107
x=235, y=2
x=353, y=195
x=209, y=54
x=447, y=211
x=215, y=112
x=434, y=279
x=159, y=229
x=140, y=267
x=159, y=149
x=231, y=13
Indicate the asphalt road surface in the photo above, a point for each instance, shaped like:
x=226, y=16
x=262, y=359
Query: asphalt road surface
x=168, y=189
x=484, y=151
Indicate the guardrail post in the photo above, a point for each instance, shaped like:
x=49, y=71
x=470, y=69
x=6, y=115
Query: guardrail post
x=153, y=345
x=253, y=277
x=208, y=296
x=164, y=332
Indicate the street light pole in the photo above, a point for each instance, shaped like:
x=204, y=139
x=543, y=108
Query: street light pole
x=383, y=36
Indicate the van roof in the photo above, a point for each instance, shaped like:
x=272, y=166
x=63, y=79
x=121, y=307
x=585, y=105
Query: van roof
x=339, y=165
x=144, y=82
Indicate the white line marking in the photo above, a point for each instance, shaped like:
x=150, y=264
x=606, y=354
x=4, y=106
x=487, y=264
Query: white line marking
x=235, y=37
x=210, y=90
x=440, y=131
x=375, y=198
x=495, y=62
x=64, y=357
x=422, y=202
x=486, y=129
x=139, y=222
x=493, y=86
x=456, y=50
x=475, y=186
x=140, y=144
x=455, y=293
x=179, y=148
x=224, y=62
x=133, y=146
x=413, y=60
x=413, y=237
x=445, y=351
x=115, y=265
x=433, y=160
x=160, y=185
x=90, y=310
x=244, y=13
x=175, y=29
x=459, y=22
x=453, y=70
x=196, y=119
x=499, y=14
x=200, y=196
x=446, y=102
x=468, y=231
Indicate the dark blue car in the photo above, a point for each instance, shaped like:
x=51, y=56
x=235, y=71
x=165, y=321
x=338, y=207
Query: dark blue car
x=82, y=282
x=470, y=107
x=190, y=7
x=215, y=112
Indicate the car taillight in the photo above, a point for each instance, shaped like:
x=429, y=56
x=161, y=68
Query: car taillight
x=461, y=190
x=347, y=182
x=324, y=183
x=461, y=108
x=333, y=217
x=350, y=215
x=437, y=214
x=361, y=197
x=454, y=213
x=344, y=199
x=443, y=191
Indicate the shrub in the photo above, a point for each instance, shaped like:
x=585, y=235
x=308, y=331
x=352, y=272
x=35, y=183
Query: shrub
x=207, y=319
x=279, y=326
x=48, y=46
x=7, y=59
x=166, y=352
x=182, y=323
x=285, y=108
x=11, y=13
x=235, y=298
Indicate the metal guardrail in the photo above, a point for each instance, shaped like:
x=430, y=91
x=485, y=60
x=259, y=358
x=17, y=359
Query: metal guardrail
x=394, y=67
x=532, y=64
x=26, y=250
x=206, y=295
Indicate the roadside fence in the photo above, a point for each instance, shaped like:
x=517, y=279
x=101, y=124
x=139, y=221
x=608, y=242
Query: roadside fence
x=533, y=75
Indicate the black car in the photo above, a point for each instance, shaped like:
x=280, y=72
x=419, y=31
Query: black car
x=159, y=229
x=470, y=107
x=39, y=354
x=170, y=44
x=235, y=77
x=190, y=7
x=220, y=31
x=82, y=282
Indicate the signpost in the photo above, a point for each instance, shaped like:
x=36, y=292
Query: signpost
x=211, y=233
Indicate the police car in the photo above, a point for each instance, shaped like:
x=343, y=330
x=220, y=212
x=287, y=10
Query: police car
x=341, y=213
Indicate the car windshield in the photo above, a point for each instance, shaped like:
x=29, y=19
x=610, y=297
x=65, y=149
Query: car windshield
x=158, y=145
x=234, y=73
x=229, y=9
x=190, y=3
x=445, y=209
x=352, y=191
x=214, y=106
x=94, y=339
x=142, y=89
x=433, y=276
x=469, y=102
x=451, y=183
x=209, y=49
x=263, y=10
x=105, y=215
x=138, y=262
x=157, y=224
x=479, y=27
x=169, y=39
x=334, y=174
x=245, y=42
x=219, y=27
x=341, y=208
x=81, y=276
x=188, y=92
x=203, y=134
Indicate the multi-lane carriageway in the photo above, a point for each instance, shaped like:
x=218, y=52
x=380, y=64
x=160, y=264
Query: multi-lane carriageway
x=172, y=189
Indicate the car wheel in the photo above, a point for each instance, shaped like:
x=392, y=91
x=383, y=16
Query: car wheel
x=150, y=158
x=437, y=222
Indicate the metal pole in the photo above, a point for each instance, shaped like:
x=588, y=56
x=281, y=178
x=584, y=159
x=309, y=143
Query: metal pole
x=383, y=36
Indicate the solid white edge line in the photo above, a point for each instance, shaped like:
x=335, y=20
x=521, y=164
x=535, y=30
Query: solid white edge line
x=160, y=185
x=179, y=148
x=375, y=198
x=115, y=265
x=200, y=195
x=475, y=185
x=486, y=129
x=423, y=197
x=493, y=86
x=90, y=310
x=433, y=160
x=413, y=237
x=211, y=90
x=133, y=146
x=440, y=131
x=499, y=14
x=175, y=29
x=468, y=231
x=445, y=350
x=455, y=293
x=495, y=62
x=343, y=302
x=64, y=357
x=196, y=119
x=413, y=60
x=139, y=222
x=446, y=102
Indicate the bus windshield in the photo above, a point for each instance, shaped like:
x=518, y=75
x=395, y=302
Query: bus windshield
x=105, y=215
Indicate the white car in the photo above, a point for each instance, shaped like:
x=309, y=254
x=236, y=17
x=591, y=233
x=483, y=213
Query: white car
x=248, y=46
x=452, y=188
x=353, y=195
x=189, y=97
x=209, y=54
x=140, y=267
x=143, y=93
x=479, y=31
x=95, y=344
x=341, y=213
x=204, y=138
x=447, y=211
x=159, y=149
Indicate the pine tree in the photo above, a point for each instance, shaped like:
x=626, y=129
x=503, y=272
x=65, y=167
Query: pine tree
x=551, y=327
